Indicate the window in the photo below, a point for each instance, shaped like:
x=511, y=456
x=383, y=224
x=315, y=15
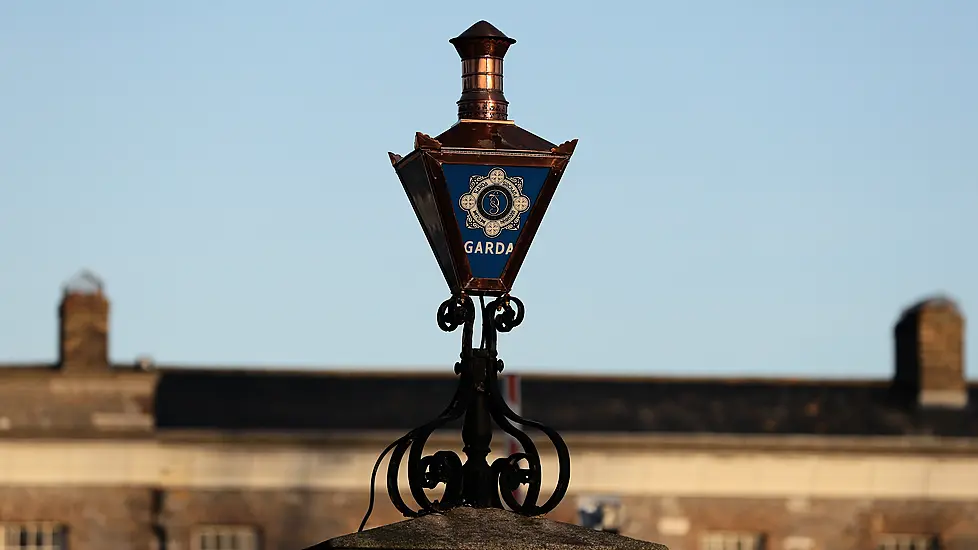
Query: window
x=907, y=542
x=32, y=536
x=225, y=537
x=732, y=541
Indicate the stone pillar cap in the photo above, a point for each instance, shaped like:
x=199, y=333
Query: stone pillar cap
x=483, y=529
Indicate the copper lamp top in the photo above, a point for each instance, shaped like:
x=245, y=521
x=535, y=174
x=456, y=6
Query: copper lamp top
x=482, y=48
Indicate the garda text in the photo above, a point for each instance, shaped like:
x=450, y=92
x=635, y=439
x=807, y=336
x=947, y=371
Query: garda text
x=488, y=247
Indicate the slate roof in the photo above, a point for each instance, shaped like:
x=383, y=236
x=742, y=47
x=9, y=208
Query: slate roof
x=268, y=400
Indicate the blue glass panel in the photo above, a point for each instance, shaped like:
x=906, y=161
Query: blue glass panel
x=491, y=207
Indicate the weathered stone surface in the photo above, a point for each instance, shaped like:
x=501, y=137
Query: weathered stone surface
x=484, y=529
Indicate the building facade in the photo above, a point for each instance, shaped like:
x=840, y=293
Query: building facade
x=102, y=456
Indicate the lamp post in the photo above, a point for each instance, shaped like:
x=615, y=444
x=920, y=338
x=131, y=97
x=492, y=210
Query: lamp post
x=480, y=191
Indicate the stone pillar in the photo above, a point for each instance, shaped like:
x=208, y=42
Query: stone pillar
x=483, y=529
x=929, y=342
x=84, y=326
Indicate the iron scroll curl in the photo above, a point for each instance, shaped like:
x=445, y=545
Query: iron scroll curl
x=479, y=400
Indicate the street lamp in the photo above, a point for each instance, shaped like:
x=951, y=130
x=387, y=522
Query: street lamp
x=480, y=190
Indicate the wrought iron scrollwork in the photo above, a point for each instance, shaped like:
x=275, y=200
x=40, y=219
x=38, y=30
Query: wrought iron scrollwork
x=479, y=400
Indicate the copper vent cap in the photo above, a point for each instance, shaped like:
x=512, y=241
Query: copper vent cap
x=482, y=48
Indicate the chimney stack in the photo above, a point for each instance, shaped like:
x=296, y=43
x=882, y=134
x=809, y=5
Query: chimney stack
x=84, y=326
x=929, y=340
x=482, y=48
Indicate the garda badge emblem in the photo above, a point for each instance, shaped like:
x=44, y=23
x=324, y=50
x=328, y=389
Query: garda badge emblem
x=494, y=202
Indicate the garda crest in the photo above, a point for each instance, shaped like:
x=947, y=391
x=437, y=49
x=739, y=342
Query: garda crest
x=494, y=202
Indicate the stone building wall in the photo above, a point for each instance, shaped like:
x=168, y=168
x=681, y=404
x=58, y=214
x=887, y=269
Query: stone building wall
x=96, y=518
x=831, y=524
x=123, y=519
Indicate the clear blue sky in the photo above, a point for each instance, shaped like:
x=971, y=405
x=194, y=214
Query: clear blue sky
x=760, y=187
